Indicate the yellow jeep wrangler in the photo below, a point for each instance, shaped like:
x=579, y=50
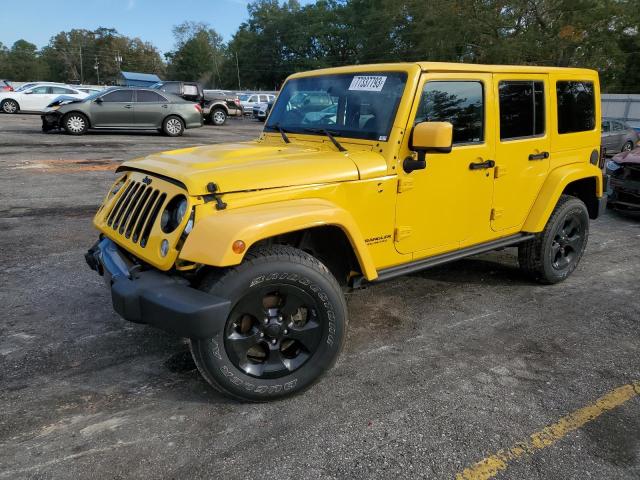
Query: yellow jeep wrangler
x=361, y=174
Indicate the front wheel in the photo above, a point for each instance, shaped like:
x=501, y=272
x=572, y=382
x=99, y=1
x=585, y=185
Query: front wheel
x=10, y=106
x=555, y=252
x=173, y=126
x=627, y=147
x=286, y=328
x=75, y=123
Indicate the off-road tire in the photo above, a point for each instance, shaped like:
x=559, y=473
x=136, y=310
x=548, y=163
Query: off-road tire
x=218, y=117
x=9, y=106
x=173, y=126
x=75, y=123
x=266, y=269
x=537, y=257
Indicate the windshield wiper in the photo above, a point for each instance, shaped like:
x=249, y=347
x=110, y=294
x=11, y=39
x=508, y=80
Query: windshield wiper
x=329, y=135
x=283, y=133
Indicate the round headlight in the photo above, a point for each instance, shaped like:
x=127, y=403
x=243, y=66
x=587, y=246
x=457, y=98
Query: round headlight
x=173, y=214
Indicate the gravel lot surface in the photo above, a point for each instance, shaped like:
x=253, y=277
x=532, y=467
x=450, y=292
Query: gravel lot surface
x=440, y=370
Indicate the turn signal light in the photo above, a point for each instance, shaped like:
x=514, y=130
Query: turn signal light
x=238, y=246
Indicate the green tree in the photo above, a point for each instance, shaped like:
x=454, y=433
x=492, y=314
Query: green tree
x=198, y=54
x=22, y=62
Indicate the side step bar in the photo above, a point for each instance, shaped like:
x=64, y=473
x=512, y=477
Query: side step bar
x=422, y=264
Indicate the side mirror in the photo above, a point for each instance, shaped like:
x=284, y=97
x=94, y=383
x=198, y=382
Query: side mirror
x=428, y=137
x=28, y=92
x=98, y=100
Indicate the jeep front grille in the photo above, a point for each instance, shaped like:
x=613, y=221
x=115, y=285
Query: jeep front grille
x=135, y=212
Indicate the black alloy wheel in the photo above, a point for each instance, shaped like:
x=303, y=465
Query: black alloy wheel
x=568, y=243
x=273, y=332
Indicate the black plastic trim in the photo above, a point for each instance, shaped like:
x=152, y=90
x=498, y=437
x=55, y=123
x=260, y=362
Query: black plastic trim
x=155, y=298
x=389, y=273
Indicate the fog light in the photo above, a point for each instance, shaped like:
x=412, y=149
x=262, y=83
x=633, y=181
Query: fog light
x=164, y=247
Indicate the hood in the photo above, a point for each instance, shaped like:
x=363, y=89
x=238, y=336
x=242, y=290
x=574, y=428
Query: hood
x=64, y=100
x=236, y=167
x=628, y=157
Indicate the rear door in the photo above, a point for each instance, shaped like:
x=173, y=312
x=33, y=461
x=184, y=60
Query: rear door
x=114, y=110
x=150, y=109
x=522, y=147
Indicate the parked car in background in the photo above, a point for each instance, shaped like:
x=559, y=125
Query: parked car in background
x=617, y=136
x=261, y=110
x=248, y=100
x=124, y=108
x=35, y=98
x=88, y=90
x=5, y=86
x=624, y=180
x=218, y=105
x=190, y=91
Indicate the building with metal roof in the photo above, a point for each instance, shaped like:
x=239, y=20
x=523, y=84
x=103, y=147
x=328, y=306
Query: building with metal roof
x=134, y=79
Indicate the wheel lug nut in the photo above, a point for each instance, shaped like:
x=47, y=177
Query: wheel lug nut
x=280, y=318
x=261, y=334
x=285, y=331
x=274, y=341
x=266, y=320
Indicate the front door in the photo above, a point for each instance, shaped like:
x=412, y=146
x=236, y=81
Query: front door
x=36, y=99
x=448, y=203
x=522, y=147
x=115, y=109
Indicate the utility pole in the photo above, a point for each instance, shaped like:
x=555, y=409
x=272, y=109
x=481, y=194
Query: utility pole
x=81, y=72
x=97, y=67
x=118, y=59
x=238, y=70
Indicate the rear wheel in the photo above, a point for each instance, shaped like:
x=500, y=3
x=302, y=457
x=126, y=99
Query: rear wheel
x=218, y=117
x=555, y=252
x=75, y=123
x=286, y=327
x=10, y=106
x=173, y=126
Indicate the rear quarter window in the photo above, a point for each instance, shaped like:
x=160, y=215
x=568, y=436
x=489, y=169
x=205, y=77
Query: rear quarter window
x=576, y=106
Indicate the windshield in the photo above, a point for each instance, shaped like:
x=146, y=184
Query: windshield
x=356, y=105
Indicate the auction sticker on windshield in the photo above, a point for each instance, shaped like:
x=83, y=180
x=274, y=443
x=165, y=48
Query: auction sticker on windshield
x=368, y=83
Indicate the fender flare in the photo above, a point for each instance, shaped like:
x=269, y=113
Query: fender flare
x=555, y=183
x=211, y=239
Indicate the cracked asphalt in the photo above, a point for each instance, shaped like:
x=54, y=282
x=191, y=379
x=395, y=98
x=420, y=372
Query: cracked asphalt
x=441, y=368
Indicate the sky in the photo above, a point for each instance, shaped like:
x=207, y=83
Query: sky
x=38, y=20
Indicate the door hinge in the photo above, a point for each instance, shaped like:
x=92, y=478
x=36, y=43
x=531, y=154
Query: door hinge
x=496, y=213
x=499, y=171
x=400, y=233
x=405, y=184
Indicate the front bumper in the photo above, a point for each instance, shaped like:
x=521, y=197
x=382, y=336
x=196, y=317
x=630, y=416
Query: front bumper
x=50, y=120
x=155, y=298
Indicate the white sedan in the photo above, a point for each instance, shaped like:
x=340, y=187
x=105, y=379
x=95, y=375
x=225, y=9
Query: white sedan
x=35, y=98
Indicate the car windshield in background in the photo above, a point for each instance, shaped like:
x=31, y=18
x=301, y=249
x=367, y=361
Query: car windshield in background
x=355, y=105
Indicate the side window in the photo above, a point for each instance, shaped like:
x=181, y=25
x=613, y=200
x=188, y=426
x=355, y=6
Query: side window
x=461, y=103
x=606, y=126
x=521, y=109
x=40, y=90
x=576, y=107
x=122, y=96
x=617, y=127
x=264, y=98
x=254, y=98
x=62, y=91
x=147, y=96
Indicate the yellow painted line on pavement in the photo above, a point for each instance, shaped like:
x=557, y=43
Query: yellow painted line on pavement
x=492, y=465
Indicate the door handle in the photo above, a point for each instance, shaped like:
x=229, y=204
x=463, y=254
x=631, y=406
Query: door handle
x=165, y=106
x=482, y=165
x=127, y=106
x=539, y=156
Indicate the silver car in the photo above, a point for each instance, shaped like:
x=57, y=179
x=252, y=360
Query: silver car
x=617, y=136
